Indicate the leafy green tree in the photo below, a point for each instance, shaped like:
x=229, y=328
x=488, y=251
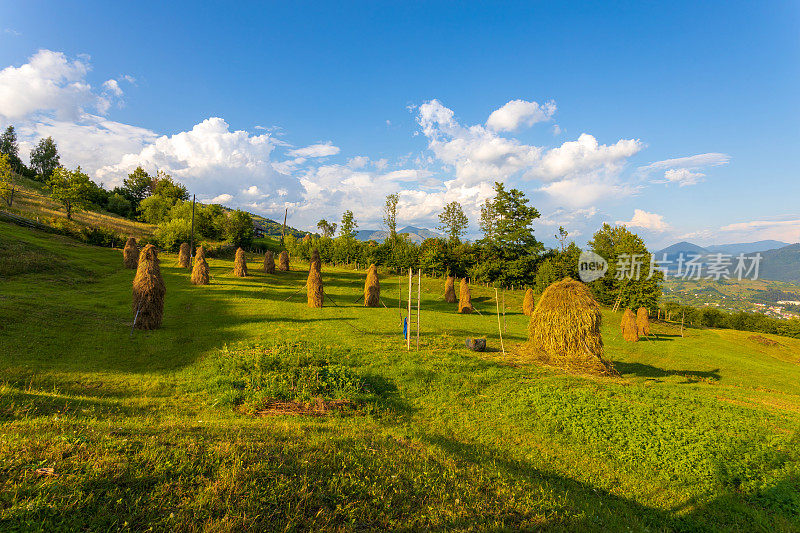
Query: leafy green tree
x=453, y=222
x=506, y=221
x=45, y=158
x=239, y=228
x=390, y=214
x=155, y=209
x=7, y=186
x=327, y=229
x=118, y=204
x=164, y=186
x=348, y=226
x=139, y=185
x=10, y=147
x=71, y=188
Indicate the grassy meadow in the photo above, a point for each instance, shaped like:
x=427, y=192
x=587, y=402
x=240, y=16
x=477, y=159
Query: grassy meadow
x=190, y=427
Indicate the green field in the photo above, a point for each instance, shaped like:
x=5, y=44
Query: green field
x=174, y=429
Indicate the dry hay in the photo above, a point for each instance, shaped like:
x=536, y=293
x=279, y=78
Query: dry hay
x=630, y=332
x=148, y=290
x=316, y=407
x=450, y=290
x=528, y=303
x=283, y=261
x=184, y=259
x=643, y=322
x=269, y=263
x=315, y=259
x=130, y=254
x=564, y=329
x=763, y=340
x=200, y=271
x=314, y=286
x=240, y=264
x=465, y=299
x=372, y=288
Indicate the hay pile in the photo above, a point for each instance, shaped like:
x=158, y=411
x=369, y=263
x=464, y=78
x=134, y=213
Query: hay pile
x=450, y=290
x=148, y=290
x=269, y=263
x=130, y=254
x=240, y=264
x=283, y=261
x=315, y=258
x=643, y=322
x=372, y=288
x=629, y=330
x=314, y=286
x=564, y=329
x=528, y=303
x=465, y=299
x=200, y=271
x=184, y=259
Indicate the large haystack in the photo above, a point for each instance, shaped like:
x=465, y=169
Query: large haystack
x=643, y=322
x=450, y=290
x=240, y=264
x=528, y=303
x=315, y=258
x=372, y=288
x=283, y=261
x=269, y=263
x=148, y=290
x=314, y=286
x=200, y=271
x=130, y=254
x=465, y=299
x=565, y=327
x=184, y=258
x=629, y=330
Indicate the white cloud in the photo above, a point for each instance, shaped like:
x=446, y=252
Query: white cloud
x=221, y=199
x=786, y=229
x=316, y=150
x=645, y=220
x=682, y=176
x=518, y=113
x=113, y=87
x=685, y=170
x=582, y=156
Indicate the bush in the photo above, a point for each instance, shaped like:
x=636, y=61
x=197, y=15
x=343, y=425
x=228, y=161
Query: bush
x=170, y=235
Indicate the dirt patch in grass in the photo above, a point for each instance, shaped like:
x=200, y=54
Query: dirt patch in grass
x=763, y=340
x=316, y=407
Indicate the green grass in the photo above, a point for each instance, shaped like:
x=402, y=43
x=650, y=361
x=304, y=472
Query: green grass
x=162, y=430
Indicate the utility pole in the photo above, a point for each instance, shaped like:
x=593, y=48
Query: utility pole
x=283, y=234
x=191, y=239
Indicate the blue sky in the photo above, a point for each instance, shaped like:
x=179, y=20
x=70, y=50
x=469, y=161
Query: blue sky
x=679, y=119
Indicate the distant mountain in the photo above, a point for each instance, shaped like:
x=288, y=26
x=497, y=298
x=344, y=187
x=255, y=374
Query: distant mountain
x=746, y=247
x=782, y=264
x=416, y=235
x=682, y=247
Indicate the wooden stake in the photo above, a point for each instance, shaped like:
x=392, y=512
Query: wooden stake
x=682, y=316
x=504, y=310
x=408, y=320
x=499, y=327
x=419, y=297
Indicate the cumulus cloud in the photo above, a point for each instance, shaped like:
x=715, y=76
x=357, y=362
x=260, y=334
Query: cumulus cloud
x=786, y=229
x=517, y=113
x=316, y=150
x=682, y=176
x=645, y=220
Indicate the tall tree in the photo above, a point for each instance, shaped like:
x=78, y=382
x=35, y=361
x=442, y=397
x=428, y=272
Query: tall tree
x=506, y=222
x=9, y=147
x=164, y=185
x=7, y=186
x=71, y=188
x=390, y=214
x=45, y=158
x=453, y=222
x=327, y=229
x=138, y=185
x=348, y=226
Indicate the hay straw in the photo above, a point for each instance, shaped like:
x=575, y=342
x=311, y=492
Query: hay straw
x=184, y=261
x=465, y=299
x=148, y=290
x=283, y=261
x=450, y=290
x=240, y=264
x=130, y=254
x=200, y=274
x=528, y=303
x=269, y=263
x=315, y=258
x=372, y=288
x=314, y=286
x=629, y=330
x=643, y=322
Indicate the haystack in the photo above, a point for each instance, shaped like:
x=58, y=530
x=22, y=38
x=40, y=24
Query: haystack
x=240, y=264
x=450, y=290
x=643, y=322
x=314, y=286
x=269, y=263
x=130, y=254
x=315, y=258
x=372, y=288
x=283, y=261
x=148, y=290
x=184, y=259
x=528, y=303
x=565, y=327
x=465, y=299
x=200, y=271
x=629, y=330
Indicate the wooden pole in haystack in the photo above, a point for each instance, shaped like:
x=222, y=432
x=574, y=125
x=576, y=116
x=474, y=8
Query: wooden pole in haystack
x=200, y=270
x=450, y=290
x=419, y=297
x=465, y=298
x=499, y=327
x=148, y=290
x=372, y=288
x=316, y=294
x=408, y=320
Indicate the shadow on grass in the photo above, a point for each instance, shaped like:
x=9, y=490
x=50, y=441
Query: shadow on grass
x=649, y=371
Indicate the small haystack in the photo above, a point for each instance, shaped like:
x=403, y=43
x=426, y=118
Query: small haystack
x=643, y=322
x=269, y=263
x=240, y=264
x=629, y=330
x=283, y=261
x=200, y=274
x=148, y=291
x=528, y=303
x=565, y=327
x=130, y=254
x=314, y=286
x=450, y=290
x=372, y=288
x=315, y=258
x=184, y=259
x=465, y=299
